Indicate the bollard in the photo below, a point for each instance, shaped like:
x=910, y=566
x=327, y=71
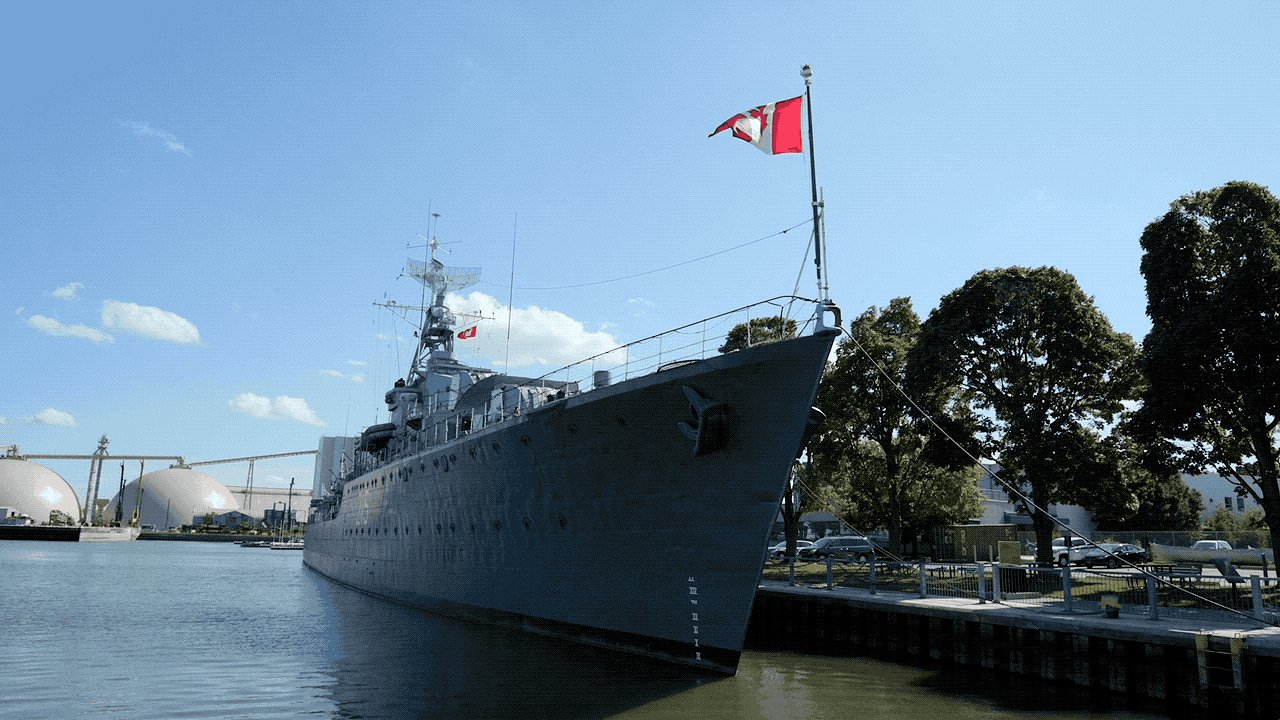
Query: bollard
x=996, y=595
x=1066, y=589
x=1110, y=604
x=982, y=584
x=1153, y=601
x=1259, y=610
x=828, y=572
x=924, y=589
x=872, y=577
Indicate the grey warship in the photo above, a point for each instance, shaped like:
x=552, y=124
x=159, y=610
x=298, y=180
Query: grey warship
x=623, y=501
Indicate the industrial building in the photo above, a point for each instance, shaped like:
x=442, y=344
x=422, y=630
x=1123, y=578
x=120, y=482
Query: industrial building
x=170, y=498
x=31, y=489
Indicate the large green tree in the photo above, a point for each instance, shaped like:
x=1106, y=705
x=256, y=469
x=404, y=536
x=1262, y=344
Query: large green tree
x=1212, y=358
x=1041, y=374
x=1161, y=500
x=871, y=447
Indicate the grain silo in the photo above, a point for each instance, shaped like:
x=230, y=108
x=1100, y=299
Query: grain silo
x=172, y=497
x=29, y=488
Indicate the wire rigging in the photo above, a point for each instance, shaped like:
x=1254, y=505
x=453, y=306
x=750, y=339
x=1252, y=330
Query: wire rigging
x=675, y=265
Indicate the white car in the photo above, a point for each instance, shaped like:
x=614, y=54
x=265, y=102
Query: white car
x=1211, y=545
x=1062, y=557
x=779, y=551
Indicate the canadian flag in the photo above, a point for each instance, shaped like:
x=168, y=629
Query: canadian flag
x=774, y=128
x=468, y=333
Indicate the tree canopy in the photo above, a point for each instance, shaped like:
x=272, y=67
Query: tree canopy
x=871, y=451
x=1038, y=373
x=1212, y=357
x=757, y=331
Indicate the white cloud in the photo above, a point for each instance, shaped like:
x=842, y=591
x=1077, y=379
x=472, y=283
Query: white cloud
x=50, y=326
x=355, y=377
x=639, y=304
x=282, y=407
x=539, y=336
x=149, y=322
x=68, y=291
x=51, y=416
x=144, y=130
x=47, y=416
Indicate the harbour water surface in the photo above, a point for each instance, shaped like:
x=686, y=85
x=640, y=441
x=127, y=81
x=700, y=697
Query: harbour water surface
x=212, y=630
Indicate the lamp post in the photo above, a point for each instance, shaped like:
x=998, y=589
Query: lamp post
x=275, y=515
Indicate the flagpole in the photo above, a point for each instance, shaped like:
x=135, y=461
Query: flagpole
x=819, y=241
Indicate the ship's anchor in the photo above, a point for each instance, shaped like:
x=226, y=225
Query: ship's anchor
x=710, y=422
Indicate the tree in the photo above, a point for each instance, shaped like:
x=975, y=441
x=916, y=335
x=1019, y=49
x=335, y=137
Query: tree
x=1164, y=502
x=872, y=447
x=757, y=331
x=1040, y=374
x=1212, y=357
x=1221, y=520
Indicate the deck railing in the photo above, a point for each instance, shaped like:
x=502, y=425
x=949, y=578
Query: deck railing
x=688, y=343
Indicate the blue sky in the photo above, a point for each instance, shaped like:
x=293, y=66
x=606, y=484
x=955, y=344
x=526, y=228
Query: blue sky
x=200, y=202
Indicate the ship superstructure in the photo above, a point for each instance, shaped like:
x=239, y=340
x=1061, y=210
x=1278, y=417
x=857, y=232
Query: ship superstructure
x=622, y=501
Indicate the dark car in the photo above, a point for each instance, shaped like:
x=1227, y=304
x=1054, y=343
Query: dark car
x=839, y=546
x=1117, y=552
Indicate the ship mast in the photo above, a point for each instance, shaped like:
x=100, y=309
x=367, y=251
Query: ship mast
x=435, y=336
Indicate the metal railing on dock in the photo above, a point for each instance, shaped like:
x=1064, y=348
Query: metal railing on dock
x=1138, y=592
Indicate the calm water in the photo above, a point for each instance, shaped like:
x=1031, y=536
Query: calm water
x=212, y=630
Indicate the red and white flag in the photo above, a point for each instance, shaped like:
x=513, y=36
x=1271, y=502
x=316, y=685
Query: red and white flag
x=468, y=333
x=774, y=128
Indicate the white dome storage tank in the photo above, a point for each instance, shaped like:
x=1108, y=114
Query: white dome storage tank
x=172, y=497
x=32, y=489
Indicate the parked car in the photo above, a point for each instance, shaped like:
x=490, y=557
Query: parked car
x=1111, y=554
x=1060, y=555
x=839, y=546
x=1211, y=545
x=779, y=551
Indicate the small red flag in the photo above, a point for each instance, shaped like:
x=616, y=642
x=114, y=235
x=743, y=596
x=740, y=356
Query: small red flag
x=468, y=333
x=773, y=128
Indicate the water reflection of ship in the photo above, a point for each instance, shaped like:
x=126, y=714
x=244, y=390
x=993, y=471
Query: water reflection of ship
x=394, y=661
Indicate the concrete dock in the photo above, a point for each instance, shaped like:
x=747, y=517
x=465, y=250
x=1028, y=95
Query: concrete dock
x=1203, y=662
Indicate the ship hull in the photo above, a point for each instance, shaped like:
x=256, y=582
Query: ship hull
x=592, y=518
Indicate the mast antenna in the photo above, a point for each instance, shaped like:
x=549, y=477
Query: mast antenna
x=819, y=243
